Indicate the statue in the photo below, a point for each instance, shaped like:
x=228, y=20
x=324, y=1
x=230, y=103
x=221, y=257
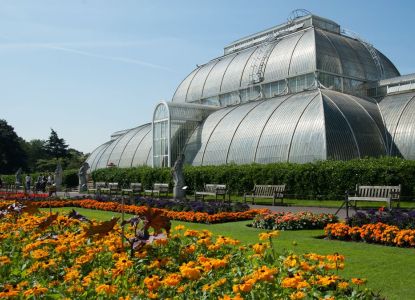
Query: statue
x=82, y=174
x=58, y=177
x=18, y=177
x=177, y=171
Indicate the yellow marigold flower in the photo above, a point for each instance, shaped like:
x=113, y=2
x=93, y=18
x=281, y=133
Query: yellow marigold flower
x=39, y=254
x=189, y=249
x=297, y=295
x=123, y=263
x=260, y=248
x=141, y=254
x=246, y=286
x=343, y=285
x=179, y=227
x=152, y=295
x=291, y=261
x=191, y=233
x=71, y=274
x=172, y=279
x=125, y=298
x=189, y=271
x=106, y=289
x=358, y=281
x=35, y=291
x=4, y=260
x=161, y=242
x=152, y=282
x=204, y=241
x=267, y=235
x=227, y=297
x=264, y=274
x=292, y=282
x=214, y=247
x=61, y=249
x=327, y=280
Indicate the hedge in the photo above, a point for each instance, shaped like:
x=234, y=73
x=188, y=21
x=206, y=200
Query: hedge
x=323, y=179
x=69, y=178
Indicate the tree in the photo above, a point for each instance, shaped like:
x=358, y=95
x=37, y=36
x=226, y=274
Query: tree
x=35, y=150
x=56, y=146
x=12, y=155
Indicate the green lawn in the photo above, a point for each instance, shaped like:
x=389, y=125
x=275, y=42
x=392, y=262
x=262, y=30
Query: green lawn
x=389, y=270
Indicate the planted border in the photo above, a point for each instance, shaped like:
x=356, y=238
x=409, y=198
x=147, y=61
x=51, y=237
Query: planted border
x=378, y=233
x=197, y=217
x=293, y=221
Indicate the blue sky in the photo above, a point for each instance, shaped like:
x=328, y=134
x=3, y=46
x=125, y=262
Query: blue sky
x=89, y=68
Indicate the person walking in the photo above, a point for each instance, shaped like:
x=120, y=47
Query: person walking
x=28, y=181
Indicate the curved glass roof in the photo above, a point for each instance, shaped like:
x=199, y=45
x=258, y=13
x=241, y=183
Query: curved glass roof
x=303, y=127
x=302, y=52
x=132, y=148
x=399, y=114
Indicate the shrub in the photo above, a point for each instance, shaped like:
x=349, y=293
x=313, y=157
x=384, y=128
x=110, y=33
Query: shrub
x=323, y=179
x=293, y=221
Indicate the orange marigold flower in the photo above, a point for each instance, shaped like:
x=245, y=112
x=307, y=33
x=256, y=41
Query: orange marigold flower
x=359, y=281
x=4, y=260
x=106, y=289
x=189, y=271
x=39, y=254
x=343, y=285
x=35, y=291
x=297, y=295
x=172, y=279
x=189, y=249
x=152, y=282
x=9, y=291
x=191, y=233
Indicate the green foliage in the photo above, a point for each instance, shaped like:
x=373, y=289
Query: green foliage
x=324, y=179
x=12, y=155
x=56, y=146
x=70, y=178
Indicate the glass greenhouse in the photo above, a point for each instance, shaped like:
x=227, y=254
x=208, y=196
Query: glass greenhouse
x=297, y=92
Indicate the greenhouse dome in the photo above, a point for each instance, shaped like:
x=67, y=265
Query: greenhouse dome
x=298, y=92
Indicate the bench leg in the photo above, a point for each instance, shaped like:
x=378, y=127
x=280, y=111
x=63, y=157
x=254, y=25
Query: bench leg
x=273, y=200
x=244, y=198
x=253, y=202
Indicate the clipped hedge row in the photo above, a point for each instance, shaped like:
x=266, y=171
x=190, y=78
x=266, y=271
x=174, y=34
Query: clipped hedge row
x=69, y=178
x=324, y=179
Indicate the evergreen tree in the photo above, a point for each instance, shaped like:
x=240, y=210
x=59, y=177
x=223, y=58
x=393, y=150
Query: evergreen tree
x=12, y=155
x=56, y=146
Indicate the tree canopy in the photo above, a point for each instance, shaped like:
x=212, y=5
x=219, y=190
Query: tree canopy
x=56, y=146
x=12, y=155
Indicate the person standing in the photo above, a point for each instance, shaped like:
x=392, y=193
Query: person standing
x=28, y=181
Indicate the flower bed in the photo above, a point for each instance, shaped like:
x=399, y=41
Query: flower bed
x=378, y=233
x=188, y=216
x=210, y=207
x=293, y=221
x=61, y=257
x=400, y=218
x=20, y=196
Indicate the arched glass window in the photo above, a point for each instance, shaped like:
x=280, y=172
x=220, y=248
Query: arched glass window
x=161, y=136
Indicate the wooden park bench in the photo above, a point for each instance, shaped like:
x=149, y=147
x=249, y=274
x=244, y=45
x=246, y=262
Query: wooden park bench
x=158, y=188
x=377, y=193
x=113, y=188
x=135, y=189
x=267, y=191
x=90, y=187
x=101, y=187
x=213, y=190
